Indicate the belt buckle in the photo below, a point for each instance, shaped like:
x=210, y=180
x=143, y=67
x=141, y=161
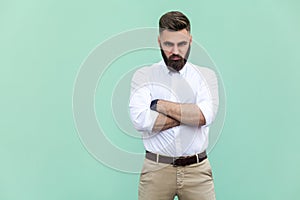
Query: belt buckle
x=179, y=161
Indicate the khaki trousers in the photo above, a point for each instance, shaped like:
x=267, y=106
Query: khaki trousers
x=160, y=181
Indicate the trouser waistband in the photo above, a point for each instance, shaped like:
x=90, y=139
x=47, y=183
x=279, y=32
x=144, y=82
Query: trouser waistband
x=176, y=161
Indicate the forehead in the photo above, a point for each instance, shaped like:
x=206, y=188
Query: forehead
x=175, y=36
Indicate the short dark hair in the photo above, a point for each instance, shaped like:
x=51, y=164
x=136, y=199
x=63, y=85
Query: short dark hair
x=174, y=21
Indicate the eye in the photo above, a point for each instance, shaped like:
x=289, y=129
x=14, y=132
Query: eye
x=182, y=44
x=168, y=44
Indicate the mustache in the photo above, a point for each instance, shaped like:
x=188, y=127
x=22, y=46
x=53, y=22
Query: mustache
x=175, y=56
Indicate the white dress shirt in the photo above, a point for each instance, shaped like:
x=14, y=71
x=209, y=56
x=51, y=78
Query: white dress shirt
x=192, y=84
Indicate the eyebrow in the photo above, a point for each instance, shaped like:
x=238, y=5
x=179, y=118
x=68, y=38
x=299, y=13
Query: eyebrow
x=179, y=43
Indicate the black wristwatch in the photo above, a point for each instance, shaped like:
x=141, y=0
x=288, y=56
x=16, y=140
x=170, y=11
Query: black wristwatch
x=153, y=104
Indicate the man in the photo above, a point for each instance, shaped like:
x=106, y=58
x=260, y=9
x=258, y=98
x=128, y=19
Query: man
x=172, y=103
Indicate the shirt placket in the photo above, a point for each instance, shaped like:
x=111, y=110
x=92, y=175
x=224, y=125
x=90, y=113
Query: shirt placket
x=174, y=83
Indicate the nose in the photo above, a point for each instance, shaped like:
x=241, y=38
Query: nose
x=175, y=50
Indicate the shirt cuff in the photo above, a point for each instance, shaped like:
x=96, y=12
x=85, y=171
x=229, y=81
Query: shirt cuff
x=153, y=115
x=207, y=111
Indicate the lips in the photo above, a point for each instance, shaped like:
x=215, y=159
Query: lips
x=175, y=58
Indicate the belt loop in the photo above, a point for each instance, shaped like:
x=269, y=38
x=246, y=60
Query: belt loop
x=157, y=158
x=197, y=156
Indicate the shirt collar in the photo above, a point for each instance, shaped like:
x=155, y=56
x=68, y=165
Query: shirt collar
x=168, y=71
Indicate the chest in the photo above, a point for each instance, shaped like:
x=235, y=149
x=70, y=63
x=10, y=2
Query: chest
x=174, y=88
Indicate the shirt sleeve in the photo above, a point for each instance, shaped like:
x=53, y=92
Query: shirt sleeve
x=207, y=94
x=142, y=117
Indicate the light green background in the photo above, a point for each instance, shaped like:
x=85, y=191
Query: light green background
x=255, y=45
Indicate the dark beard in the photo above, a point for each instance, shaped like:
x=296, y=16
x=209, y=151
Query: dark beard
x=176, y=65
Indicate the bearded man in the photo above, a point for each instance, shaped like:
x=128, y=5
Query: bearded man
x=172, y=105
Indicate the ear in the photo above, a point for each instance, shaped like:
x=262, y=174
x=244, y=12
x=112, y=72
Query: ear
x=158, y=40
x=191, y=39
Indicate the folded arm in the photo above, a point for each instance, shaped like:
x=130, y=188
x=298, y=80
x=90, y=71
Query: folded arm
x=164, y=122
x=185, y=113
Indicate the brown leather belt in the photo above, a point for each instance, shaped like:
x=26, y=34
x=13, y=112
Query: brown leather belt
x=176, y=161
